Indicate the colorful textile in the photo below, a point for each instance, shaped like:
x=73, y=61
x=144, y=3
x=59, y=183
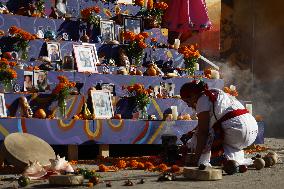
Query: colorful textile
x=187, y=15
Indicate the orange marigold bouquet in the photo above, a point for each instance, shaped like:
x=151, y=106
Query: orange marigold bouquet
x=22, y=37
x=135, y=49
x=141, y=96
x=7, y=73
x=90, y=15
x=190, y=55
x=62, y=91
x=154, y=10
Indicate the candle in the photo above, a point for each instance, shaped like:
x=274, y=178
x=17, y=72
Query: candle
x=233, y=87
x=174, y=112
x=196, y=66
x=177, y=43
x=249, y=108
x=145, y=3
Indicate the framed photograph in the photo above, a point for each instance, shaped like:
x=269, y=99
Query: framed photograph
x=53, y=51
x=86, y=57
x=107, y=30
x=102, y=104
x=40, y=80
x=3, y=110
x=28, y=80
x=133, y=23
x=109, y=87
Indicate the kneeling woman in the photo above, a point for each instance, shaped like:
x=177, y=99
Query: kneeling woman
x=224, y=127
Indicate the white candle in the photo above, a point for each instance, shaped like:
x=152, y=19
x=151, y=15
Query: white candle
x=249, y=108
x=196, y=67
x=233, y=87
x=177, y=43
x=174, y=112
x=145, y=3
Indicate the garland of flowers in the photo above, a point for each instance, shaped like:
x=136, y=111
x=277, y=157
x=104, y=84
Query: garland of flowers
x=23, y=37
x=7, y=73
x=136, y=46
x=90, y=15
x=190, y=56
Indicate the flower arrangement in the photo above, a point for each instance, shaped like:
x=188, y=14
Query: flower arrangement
x=22, y=37
x=62, y=91
x=90, y=15
x=140, y=94
x=40, y=8
x=7, y=73
x=139, y=2
x=190, y=55
x=136, y=46
x=153, y=13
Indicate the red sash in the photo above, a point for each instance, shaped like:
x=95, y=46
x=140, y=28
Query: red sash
x=217, y=145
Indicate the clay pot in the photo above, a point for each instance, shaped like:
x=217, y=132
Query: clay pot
x=40, y=114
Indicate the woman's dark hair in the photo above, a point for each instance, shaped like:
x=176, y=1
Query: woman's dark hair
x=194, y=87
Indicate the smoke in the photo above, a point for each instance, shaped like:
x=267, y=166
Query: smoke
x=266, y=94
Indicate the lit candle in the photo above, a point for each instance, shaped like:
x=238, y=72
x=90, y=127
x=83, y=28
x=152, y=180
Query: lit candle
x=177, y=43
x=174, y=112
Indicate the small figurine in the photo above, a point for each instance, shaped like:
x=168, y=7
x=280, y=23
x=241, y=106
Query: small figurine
x=26, y=110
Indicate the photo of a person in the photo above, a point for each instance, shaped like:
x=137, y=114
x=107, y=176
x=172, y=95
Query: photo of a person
x=40, y=79
x=102, y=104
x=28, y=81
x=53, y=50
x=107, y=30
x=133, y=25
x=85, y=58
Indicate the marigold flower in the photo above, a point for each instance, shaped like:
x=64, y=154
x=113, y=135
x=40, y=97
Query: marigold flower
x=139, y=37
x=154, y=40
x=133, y=164
x=145, y=34
x=150, y=4
x=142, y=45
x=121, y=164
x=103, y=168
x=162, y=167
x=139, y=2
x=149, y=166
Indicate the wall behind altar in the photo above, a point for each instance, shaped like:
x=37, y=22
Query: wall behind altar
x=252, y=41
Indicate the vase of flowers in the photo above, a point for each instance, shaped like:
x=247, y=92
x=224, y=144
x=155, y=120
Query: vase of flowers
x=135, y=49
x=7, y=74
x=91, y=16
x=141, y=98
x=61, y=93
x=190, y=55
x=22, y=39
x=153, y=13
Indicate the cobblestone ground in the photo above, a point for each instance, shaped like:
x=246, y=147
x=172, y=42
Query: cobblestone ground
x=266, y=178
